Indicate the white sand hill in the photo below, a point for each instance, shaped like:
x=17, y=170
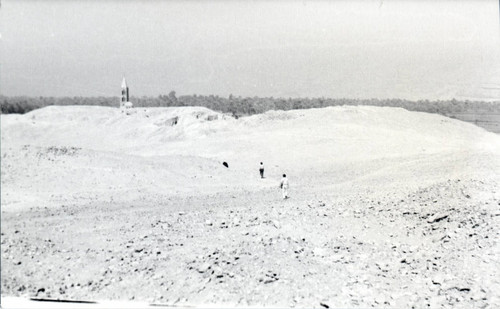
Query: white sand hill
x=388, y=208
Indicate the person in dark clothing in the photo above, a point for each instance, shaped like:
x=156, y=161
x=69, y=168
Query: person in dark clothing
x=261, y=170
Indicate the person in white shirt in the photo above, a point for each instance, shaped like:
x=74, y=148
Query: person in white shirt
x=261, y=170
x=284, y=186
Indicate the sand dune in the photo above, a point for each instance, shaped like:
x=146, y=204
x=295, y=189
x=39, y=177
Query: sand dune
x=383, y=203
x=85, y=151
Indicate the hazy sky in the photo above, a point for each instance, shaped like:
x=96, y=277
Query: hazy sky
x=354, y=49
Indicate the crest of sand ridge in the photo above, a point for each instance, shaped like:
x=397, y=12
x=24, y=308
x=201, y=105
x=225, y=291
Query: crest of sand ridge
x=93, y=127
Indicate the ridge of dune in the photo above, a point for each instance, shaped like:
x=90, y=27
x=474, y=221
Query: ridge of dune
x=105, y=128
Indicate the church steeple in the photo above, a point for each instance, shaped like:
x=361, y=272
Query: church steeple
x=124, y=98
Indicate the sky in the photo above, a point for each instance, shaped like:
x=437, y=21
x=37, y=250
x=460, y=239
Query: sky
x=336, y=49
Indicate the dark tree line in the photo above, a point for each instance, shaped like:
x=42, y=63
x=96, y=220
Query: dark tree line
x=241, y=106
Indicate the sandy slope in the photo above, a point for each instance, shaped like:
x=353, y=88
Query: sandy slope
x=388, y=208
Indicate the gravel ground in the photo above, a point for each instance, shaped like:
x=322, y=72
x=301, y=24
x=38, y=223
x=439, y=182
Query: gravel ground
x=436, y=246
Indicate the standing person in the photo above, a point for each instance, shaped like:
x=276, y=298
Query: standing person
x=284, y=186
x=261, y=170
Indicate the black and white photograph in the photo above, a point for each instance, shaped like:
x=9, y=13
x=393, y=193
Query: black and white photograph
x=250, y=154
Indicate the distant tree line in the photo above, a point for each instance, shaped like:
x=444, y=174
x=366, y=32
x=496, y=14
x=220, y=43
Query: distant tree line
x=243, y=106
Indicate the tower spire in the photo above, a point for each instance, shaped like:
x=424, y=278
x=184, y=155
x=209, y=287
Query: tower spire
x=124, y=98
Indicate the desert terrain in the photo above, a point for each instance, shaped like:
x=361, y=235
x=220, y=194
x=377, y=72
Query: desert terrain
x=388, y=208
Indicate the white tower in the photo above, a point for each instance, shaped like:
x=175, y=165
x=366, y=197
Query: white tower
x=124, y=98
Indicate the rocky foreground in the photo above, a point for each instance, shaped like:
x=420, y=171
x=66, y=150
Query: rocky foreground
x=436, y=247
